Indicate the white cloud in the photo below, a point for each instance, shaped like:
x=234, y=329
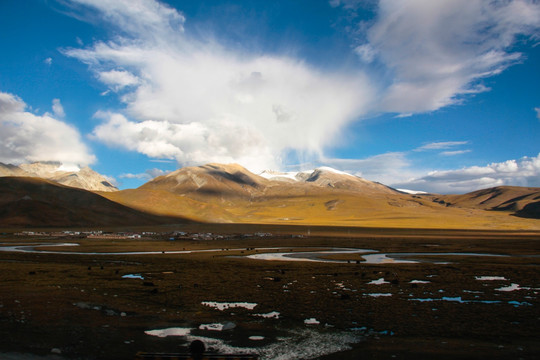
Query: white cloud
x=146, y=176
x=27, y=137
x=384, y=168
x=118, y=79
x=438, y=50
x=146, y=19
x=58, y=109
x=522, y=172
x=366, y=52
x=441, y=145
x=455, y=152
x=537, y=112
x=48, y=61
x=196, y=102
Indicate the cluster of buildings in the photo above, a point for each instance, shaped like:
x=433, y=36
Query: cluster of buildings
x=172, y=236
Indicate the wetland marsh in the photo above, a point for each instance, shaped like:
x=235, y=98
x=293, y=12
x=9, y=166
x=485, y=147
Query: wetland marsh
x=477, y=295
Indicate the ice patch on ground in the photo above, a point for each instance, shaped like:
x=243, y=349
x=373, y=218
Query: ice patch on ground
x=174, y=331
x=379, y=294
x=419, y=282
x=311, y=321
x=511, y=287
x=218, y=327
x=490, y=278
x=378, y=282
x=256, y=338
x=229, y=305
x=270, y=315
x=300, y=344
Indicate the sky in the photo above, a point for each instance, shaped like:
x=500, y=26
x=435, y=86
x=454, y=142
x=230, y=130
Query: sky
x=438, y=96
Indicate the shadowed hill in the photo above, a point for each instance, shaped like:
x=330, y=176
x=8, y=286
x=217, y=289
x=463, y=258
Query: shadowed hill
x=523, y=201
x=32, y=202
x=212, y=180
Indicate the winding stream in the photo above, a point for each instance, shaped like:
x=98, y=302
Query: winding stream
x=317, y=255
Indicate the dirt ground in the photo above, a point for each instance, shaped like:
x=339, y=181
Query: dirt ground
x=80, y=306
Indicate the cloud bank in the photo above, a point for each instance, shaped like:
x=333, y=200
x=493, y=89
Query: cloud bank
x=522, y=172
x=26, y=137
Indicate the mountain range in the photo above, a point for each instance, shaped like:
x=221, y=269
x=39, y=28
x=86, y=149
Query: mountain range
x=220, y=193
x=84, y=178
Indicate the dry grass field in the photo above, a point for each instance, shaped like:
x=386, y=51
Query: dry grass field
x=81, y=306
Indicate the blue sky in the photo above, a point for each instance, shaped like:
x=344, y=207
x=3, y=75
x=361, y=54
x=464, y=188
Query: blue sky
x=440, y=96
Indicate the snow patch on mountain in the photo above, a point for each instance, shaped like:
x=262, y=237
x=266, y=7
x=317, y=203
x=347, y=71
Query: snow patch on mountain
x=298, y=175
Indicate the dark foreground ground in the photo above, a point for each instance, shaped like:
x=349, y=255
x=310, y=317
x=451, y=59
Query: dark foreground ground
x=80, y=307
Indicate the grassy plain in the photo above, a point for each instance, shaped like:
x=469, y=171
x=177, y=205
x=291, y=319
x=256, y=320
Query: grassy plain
x=81, y=305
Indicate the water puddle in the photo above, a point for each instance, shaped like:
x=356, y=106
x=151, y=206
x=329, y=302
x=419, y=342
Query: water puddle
x=379, y=294
x=133, y=276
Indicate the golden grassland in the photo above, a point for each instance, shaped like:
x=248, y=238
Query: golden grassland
x=324, y=209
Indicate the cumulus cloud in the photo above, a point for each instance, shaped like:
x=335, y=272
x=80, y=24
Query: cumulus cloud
x=58, y=109
x=118, y=79
x=48, y=61
x=437, y=51
x=195, y=101
x=537, y=112
x=26, y=137
x=522, y=172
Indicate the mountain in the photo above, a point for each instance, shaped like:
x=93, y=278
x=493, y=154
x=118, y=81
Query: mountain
x=84, y=178
x=324, y=196
x=522, y=201
x=234, y=181
x=35, y=202
x=218, y=193
x=212, y=180
x=327, y=177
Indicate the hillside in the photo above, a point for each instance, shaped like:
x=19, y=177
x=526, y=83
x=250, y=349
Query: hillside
x=217, y=193
x=34, y=202
x=230, y=193
x=522, y=201
x=84, y=178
